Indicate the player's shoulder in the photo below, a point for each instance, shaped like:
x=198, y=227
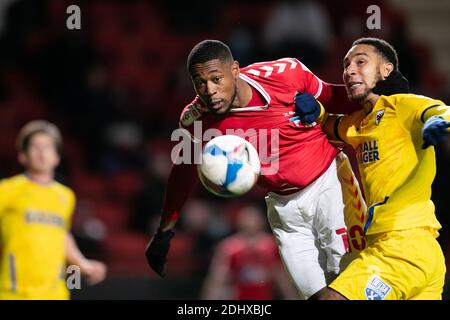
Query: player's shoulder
x=289, y=62
x=64, y=190
x=193, y=111
x=267, y=241
x=274, y=69
x=410, y=100
x=13, y=182
x=232, y=243
x=355, y=117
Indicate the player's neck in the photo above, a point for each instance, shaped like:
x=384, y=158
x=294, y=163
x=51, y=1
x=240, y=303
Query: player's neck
x=243, y=94
x=251, y=236
x=369, y=103
x=42, y=178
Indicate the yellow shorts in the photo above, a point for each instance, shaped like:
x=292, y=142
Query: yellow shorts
x=396, y=265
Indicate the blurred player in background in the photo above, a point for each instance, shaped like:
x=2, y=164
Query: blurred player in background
x=304, y=201
x=246, y=265
x=392, y=135
x=35, y=218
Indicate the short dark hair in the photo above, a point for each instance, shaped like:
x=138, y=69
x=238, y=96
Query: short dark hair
x=384, y=48
x=208, y=50
x=34, y=127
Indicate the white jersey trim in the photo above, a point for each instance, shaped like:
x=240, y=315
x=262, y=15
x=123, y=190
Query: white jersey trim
x=319, y=90
x=260, y=89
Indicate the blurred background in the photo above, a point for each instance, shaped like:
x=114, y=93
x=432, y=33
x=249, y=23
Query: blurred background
x=116, y=88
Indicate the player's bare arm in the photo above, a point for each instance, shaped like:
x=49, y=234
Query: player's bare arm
x=93, y=270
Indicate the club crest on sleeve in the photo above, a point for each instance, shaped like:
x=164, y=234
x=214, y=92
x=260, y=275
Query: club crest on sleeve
x=378, y=117
x=376, y=288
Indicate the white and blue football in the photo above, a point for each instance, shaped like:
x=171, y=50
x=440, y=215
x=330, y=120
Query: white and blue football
x=230, y=166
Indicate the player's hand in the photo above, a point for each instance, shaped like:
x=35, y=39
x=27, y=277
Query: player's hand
x=434, y=131
x=157, y=251
x=306, y=107
x=94, y=271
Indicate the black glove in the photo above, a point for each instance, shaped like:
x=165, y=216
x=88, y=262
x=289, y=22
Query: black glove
x=306, y=107
x=157, y=250
x=434, y=131
x=393, y=84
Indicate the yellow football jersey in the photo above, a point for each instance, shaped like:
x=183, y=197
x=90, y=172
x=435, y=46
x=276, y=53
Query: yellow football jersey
x=396, y=172
x=34, y=221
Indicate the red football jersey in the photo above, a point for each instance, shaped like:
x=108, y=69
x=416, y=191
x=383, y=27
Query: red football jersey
x=292, y=155
x=251, y=264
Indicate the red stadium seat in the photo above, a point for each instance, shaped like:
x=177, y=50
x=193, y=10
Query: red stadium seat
x=89, y=185
x=113, y=214
x=125, y=254
x=125, y=185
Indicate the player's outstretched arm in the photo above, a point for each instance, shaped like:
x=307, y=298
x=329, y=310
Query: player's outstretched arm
x=94, y=271
x=309, y=110
x=181, y=183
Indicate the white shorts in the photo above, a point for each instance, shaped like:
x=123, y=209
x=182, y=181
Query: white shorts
x=310, y=231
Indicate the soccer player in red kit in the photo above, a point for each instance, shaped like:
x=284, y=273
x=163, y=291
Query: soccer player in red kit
x=246, y=265
x=305, y=202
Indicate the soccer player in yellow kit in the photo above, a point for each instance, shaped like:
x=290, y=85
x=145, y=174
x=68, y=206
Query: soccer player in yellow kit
x=35, y=215
x=391, y=135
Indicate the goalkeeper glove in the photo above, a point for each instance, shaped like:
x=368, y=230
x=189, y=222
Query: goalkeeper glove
x=434, y=131
x=157, y=250
x=393, y=84
x=306, y=107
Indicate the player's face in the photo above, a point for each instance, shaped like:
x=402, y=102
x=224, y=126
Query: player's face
x=41, y=155
x=215, y=82
x=363, y=67
x=250, y=221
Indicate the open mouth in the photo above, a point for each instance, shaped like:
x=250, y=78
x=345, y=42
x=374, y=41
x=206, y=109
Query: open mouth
x=216, y=105
x=353, y=85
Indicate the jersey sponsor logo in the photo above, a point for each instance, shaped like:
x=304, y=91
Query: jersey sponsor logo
x=41, y=217
x=376, y=288
x=368, y=151
x=379, y=116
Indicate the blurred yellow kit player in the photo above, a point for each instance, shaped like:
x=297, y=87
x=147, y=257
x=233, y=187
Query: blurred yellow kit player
x=35, y=215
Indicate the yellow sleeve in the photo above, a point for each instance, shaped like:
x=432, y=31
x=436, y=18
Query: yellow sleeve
x=4, y=196
x=414, y=110
x=441, y=111
x=71, y=209
x=329, y=123
x=322, y=113
x=336, y=126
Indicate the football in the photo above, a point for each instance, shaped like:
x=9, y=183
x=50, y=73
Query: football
x=230, y=166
